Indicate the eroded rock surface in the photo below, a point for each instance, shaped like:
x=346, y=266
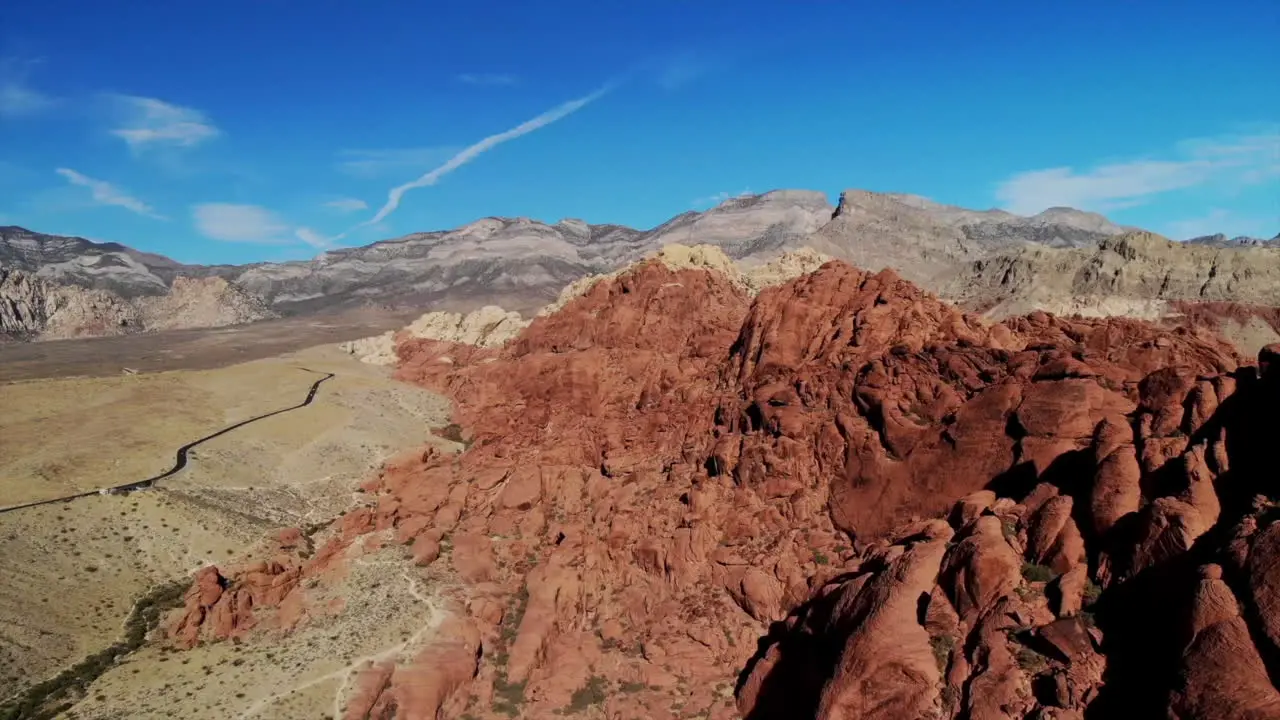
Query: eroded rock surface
x=490, y=326
x=32, y=307
x=843, y=498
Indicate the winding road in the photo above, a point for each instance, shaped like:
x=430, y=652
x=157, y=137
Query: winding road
x=181, y=456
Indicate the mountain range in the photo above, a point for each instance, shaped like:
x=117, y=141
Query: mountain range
x=988, y=259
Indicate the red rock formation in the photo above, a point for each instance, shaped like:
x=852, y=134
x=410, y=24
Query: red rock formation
x=663, y=472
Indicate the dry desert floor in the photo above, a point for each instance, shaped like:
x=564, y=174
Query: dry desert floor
x=74, y=571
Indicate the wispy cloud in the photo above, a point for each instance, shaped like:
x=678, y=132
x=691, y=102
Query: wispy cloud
x=496, y=79
x=347, y=205
x=1247, y=159
x=104, y=193
x=376, y=163
x=17, y=97
x=713, y=200
x=474, y=151
x=148, y=122
x=240, y=223
x=230, y=222
x=313, y=238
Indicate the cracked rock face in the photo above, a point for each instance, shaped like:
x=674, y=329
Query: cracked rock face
x=842, y=498
x=34, y=308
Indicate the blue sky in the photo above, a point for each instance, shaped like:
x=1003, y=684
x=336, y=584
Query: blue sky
x=269, y=129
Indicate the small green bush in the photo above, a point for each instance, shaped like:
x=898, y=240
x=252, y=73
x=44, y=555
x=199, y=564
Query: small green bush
x=593, y=693
x=1009, y=528
x=453, y=432
x=1032, y=572
x=507, y=696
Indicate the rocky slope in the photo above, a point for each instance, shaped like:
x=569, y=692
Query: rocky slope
x=1221, y=240
x=32, y=308
x=489, y=326
x=1231, y=290
x=521, y=264
x=84, y=263
x=842, y=499
x=1061, y=260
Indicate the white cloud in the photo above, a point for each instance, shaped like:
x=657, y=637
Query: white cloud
x=17, y=97
x=347, y=204
x=375, y=163
x=104, y=193
x=312, y=238
x=487, y=79
x=240, y=223
x=149, y=122
x=1247, y=159
x=474, y=151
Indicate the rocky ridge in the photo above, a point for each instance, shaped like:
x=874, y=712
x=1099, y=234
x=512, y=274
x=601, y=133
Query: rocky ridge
x=843, y=498
x=490, y=326
x=1061, y=260
x=521, y=264
x=37, y=309
x=1221, y=240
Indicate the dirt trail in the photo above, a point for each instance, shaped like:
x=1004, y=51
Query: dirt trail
x=435, y=615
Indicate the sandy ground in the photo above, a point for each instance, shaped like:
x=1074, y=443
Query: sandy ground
x=195, y=349
x=391, y=610
x=73, y=570
x=58, y=437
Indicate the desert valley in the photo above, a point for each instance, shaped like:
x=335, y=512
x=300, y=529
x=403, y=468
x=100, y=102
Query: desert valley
x=775, y=459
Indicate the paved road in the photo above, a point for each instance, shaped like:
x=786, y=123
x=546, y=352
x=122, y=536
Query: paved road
x=181, y=457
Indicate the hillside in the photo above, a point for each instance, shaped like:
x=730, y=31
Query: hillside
x=33, y=308
x=521, y=264
x=1061, y=260
x=843, y=498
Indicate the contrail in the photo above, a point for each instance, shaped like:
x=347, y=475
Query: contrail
x=471, y=153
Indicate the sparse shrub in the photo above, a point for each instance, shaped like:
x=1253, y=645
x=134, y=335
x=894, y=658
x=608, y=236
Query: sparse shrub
x=821, y=559
x=453, y=432
x=507, y=697
x=1032, y=662
x=1092, y=591
x=49, y=699
x=590, y=694
x=630, y=687
x=1009, y=528
x=950, y=696
x=942, y=646
x=1032, y=572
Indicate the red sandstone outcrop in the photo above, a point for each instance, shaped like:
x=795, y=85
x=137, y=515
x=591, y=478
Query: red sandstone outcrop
x=669, y=483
